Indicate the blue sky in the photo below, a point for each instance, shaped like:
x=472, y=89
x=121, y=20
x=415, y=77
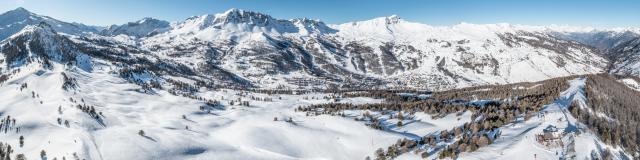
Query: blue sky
x=598, y=13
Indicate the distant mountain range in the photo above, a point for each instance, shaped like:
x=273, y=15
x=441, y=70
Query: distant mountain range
x=241, y=48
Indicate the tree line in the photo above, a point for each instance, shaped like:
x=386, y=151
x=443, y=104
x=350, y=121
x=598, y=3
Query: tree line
x=506, y=103
x=619, y=103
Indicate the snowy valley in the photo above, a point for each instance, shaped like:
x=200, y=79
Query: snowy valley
x=245, y=85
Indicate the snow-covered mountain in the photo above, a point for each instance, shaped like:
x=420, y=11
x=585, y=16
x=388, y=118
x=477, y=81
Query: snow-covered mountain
x=620, y=46
x=141, y=28
x=626, y=57
x=472, y=54
x=43, y=44
x=386, y=52
x=236, y=24
x=603, y=40
x=13, y=21
x=151, y=89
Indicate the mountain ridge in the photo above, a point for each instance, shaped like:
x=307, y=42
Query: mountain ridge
x=13, y=21
x=386, y=52
x=245, y=85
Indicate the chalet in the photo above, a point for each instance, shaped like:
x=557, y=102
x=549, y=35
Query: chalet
x=550, y=133
x=550, y=129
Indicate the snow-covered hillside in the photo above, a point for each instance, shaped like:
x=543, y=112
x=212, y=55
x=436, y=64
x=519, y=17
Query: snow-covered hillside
x=13, y=21
x=469, y=54
x=632, y=83
x=390, y=51
x=620, y=46
x=577, y=141
x=141, y=28
x=205, y=87
x=627, y=56
x=40, y=43
x=174, y=127
x=60, y=122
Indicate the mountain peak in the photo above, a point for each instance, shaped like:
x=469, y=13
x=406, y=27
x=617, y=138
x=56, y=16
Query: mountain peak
x=390, y=20
x=18, y=12
x=393, y=19
x=236, y=11
x=241, y=16
x=241, y=22
x=233, y=10
x=379, y=21
x=41, y=28
x=15, y=20
x=307, y=21
x=146, y=19
x=45, y=25
x=141, y=28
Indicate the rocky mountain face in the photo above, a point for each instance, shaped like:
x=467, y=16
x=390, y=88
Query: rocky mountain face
x=240, y=48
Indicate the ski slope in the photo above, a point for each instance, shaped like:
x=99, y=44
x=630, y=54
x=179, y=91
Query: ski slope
x=631, y=83
x=518, y=140
x=236, y=132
